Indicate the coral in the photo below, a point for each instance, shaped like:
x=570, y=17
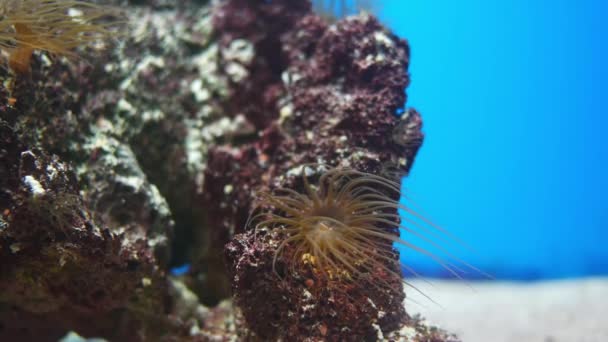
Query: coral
x=125, y=162
x=54, y=257
x=93, y=117
x=341, y=87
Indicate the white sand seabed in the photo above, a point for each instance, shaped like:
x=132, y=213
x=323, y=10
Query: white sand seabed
x=553, y=311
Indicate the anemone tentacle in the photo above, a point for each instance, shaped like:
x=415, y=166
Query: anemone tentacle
x=345, y=225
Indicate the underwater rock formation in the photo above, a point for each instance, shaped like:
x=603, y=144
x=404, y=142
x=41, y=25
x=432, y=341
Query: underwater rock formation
x=148, y=154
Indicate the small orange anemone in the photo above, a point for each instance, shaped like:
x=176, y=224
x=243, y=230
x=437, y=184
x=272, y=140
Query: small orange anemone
x=54, y=26
x=345, y=227
x=337, y=9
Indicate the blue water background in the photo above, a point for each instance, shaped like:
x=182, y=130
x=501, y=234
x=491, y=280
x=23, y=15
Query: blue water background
x=515, y=161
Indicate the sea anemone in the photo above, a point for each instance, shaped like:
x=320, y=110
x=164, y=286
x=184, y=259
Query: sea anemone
x=54, y=26
x=345, y=226
x=336, y=9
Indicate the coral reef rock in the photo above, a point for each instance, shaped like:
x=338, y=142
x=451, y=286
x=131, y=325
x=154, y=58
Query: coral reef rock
x=146, y=152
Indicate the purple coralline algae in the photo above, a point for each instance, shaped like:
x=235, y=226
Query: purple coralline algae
x=148, y=152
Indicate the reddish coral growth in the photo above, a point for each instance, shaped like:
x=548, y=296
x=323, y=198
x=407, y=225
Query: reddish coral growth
x=261, y=23
x=335, y=104
x=54, y=259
